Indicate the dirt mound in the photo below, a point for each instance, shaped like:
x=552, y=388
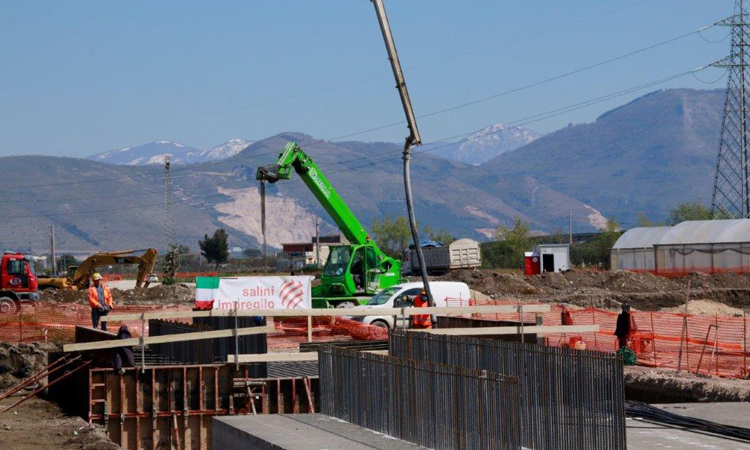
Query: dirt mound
x=665, y=386
x=175, y=294
x=19, y=361
x=493, y=283
x=706, y=307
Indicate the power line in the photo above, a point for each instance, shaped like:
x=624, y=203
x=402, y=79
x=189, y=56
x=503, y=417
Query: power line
x=345, y=84
x=537, y=83
x=518, y=122
x=431, y=114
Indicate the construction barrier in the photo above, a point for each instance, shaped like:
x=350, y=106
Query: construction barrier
x=698, y=343
x=33, y=321
x=55, y=322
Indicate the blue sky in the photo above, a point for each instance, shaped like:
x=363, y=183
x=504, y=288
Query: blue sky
x=79, y=78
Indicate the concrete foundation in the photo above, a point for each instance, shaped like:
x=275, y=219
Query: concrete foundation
x=297, y=432
x=645, y=435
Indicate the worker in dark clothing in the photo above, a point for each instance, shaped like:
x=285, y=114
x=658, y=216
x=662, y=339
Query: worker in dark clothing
x=123, y=355
x=624, y=326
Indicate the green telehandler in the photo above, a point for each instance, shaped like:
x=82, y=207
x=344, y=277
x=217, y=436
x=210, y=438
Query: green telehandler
x=353, y=273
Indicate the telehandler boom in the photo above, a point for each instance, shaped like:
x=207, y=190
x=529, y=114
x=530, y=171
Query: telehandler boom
x=354, y=272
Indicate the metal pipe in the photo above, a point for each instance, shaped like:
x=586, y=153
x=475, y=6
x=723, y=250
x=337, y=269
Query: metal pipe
x=412, y=140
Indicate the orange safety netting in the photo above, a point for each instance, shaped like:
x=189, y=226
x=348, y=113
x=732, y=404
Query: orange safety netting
x=711, y=344
x=39, y=321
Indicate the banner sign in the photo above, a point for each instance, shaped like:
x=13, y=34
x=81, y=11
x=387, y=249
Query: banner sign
x=284, y=292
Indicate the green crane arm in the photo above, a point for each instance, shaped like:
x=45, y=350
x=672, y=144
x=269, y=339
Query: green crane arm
x=294, y=157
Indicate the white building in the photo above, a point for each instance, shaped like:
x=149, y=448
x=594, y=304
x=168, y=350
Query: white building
x=709, y=246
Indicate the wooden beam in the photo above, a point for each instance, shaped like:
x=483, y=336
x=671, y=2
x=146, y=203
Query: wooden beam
x=409, y=311
x=275, y=357
x=114, y=343
x=494, y=331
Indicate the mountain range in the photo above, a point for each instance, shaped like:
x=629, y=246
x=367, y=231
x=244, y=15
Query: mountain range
x=643, y=157
x=155, y=153
x=485, y=144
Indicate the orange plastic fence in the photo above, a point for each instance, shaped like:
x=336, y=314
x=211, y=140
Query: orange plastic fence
x=56, y=322
x=39, y=321
x=711, y=344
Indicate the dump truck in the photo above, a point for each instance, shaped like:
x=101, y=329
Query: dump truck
x=17, y=281
x=355, y=272
x=78, y=276
x=440, y=259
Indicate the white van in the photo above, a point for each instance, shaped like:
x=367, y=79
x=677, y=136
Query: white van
x=444, y=293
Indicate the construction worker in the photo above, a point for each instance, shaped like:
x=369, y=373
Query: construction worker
x=123, y=355
x=624, y=326
x=421, y=321
x=100, y=300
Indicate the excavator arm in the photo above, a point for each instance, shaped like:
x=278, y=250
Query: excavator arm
x=293, y=158
x=146, y=263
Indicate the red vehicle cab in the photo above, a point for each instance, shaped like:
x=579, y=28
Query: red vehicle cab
x=17, y=278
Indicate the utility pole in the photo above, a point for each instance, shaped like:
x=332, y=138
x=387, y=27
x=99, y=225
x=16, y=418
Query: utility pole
x=731, y=195
x=317, y=243
x=570, y=228
x=412, y=140
x=52, y=249
x=168, y=203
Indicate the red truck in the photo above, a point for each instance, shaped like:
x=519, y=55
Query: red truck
x=17, y=281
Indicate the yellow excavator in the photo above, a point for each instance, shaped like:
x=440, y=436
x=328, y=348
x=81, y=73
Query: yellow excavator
x=79, y=276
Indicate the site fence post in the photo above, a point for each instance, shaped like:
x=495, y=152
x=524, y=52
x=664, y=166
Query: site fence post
x=653, y=338
x=743, y=373
x=20, y=322
x=236, y=340
x=143, y=344
x=309, y=328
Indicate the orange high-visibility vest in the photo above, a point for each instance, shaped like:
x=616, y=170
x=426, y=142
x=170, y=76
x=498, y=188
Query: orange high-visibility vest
x=423, y=321
x=95, y=301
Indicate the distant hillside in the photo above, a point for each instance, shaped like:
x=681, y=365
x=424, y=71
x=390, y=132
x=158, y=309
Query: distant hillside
x=486, y=144
x=155, y=153
x=644, y=157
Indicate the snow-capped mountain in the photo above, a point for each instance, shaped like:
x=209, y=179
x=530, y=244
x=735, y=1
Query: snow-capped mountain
x=225, y=150
x=486, y=144
x=155, y=153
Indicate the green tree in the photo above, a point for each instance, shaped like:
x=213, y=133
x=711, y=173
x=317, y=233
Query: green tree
x=688, y=211
x=171, y=264
x=66, y=260
x=392, y=235
x=441, y=235
x=515, y=242
x=215, y=248
x=183, y=250
x=596, y=251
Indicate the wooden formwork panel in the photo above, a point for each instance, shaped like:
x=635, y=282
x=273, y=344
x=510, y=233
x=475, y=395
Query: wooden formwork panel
x=170, y=407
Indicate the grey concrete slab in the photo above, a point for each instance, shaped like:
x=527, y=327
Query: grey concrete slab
x=646, y=435
x=730, y=413
x=297, y=432
x=643, y=435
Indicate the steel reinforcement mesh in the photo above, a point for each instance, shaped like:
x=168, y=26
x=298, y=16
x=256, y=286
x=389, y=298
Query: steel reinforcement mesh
x=711, y=344
x=432, y=405
x=570, y=399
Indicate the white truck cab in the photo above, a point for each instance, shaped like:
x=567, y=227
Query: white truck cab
x=443, y=293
